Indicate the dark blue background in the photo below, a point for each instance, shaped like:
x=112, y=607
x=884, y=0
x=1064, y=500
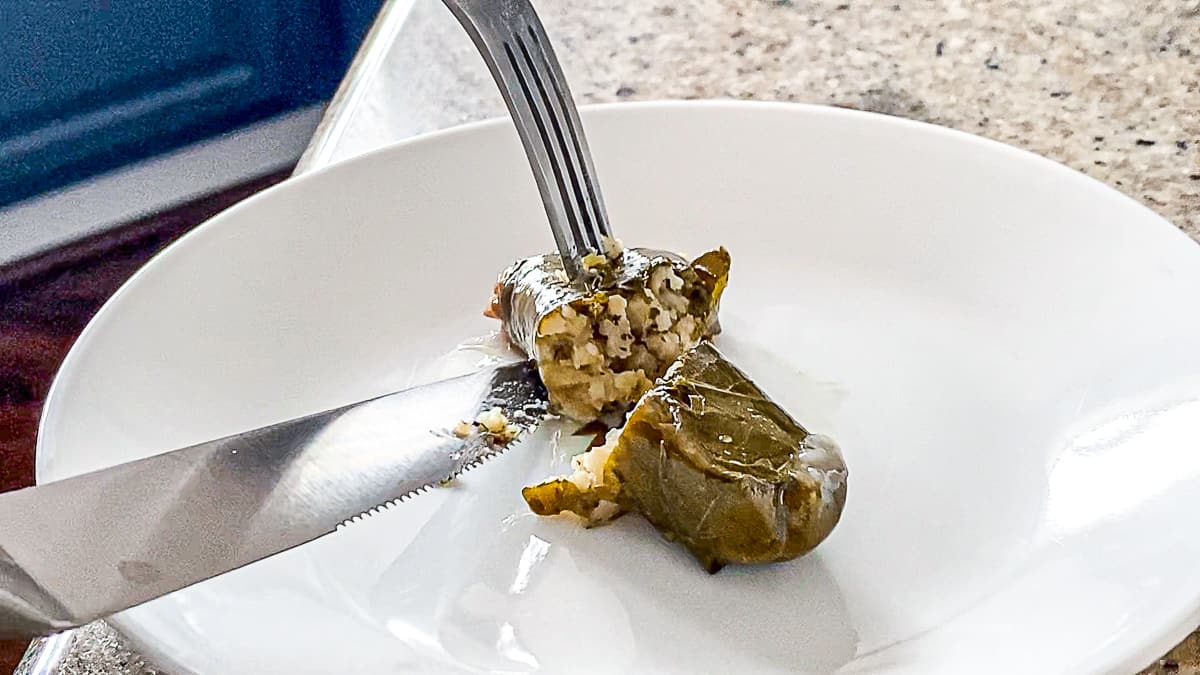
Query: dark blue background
x=89, y=85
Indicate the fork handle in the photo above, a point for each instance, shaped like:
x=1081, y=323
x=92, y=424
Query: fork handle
x=513, y=42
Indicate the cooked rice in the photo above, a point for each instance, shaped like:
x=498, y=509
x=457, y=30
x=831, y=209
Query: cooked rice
x=608, y=349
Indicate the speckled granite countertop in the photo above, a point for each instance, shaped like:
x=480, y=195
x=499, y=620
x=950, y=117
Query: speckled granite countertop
x=1109, y=87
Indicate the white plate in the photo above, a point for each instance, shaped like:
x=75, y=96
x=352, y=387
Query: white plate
x=1006, y=350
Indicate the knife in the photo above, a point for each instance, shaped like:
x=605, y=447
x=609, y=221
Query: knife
x=83, y=548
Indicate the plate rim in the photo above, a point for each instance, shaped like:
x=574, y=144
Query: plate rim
x=587, y=111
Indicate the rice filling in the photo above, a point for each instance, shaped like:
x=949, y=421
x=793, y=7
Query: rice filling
x=599, y=351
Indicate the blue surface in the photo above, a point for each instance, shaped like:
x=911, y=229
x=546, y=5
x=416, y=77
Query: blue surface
x=89, y=85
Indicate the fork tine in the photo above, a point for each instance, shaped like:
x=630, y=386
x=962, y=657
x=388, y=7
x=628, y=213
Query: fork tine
x=545, y=138
x=514, y=44
x=581, y=156
x=561, y=151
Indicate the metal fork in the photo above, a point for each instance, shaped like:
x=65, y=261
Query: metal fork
x=510, y=36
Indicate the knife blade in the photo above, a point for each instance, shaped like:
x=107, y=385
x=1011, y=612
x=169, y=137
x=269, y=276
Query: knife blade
x=83, y=548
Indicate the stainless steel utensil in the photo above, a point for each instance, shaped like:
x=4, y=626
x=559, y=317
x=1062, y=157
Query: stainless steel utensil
x=79, y=549
x=510, y=36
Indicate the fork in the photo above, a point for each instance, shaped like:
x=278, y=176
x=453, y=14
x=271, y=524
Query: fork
x=514, y=44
